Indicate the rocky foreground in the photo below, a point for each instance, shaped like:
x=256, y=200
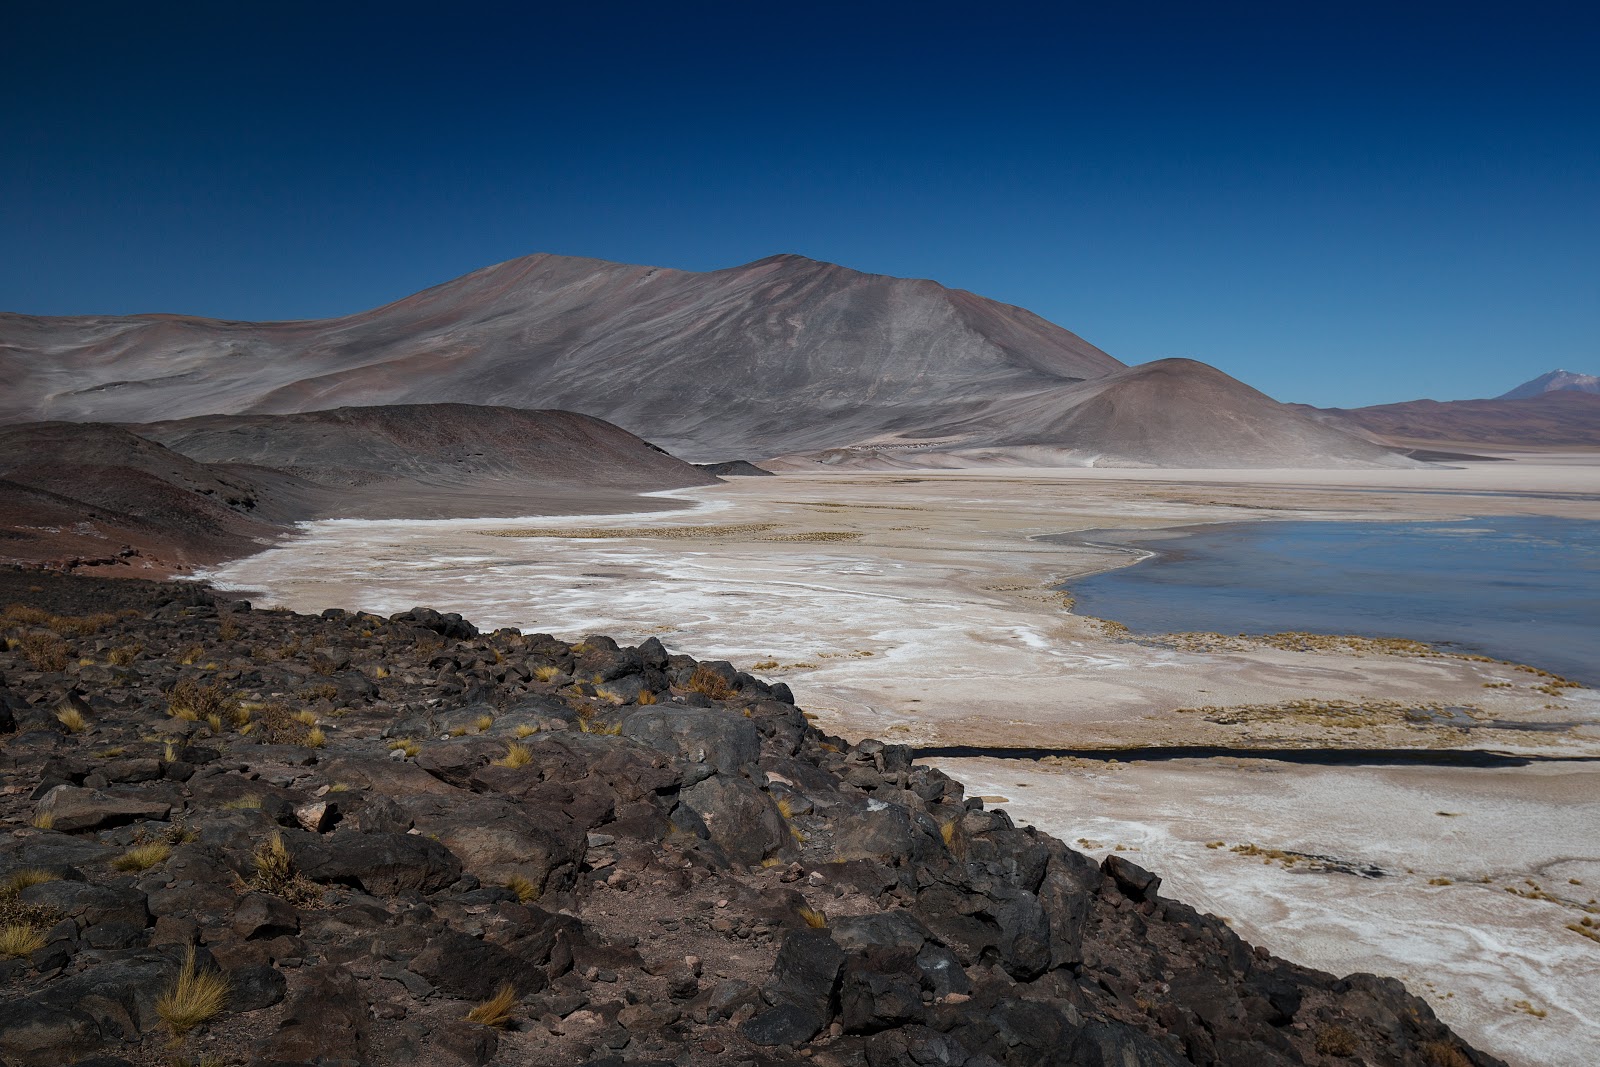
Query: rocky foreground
x=256, y=837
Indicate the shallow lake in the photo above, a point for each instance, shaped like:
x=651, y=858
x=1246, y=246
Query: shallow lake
x=1525, y=589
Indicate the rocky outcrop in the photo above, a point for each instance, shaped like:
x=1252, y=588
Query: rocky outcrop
x=488, y=852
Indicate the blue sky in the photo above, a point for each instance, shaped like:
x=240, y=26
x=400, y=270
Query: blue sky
x=1340, y=204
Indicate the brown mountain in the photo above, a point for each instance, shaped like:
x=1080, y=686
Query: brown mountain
x=1564, y=418
x=1170, y=413
x=775, y=356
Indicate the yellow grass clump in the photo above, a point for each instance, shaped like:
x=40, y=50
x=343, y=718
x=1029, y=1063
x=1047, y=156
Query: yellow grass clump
x=22, y=878
x=20, y=939
x=815, y=919
x=73, y=720
x=195, y=997
x=516, y=756
x=525, y=890
x=143, y=857
x=496, y=1011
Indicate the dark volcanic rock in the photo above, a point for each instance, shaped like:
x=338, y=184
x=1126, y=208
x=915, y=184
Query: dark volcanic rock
x=705, y=880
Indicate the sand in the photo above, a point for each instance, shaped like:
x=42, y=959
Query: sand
x=918, y=607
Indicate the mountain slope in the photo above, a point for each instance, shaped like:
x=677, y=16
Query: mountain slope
x=449, y=447
x=1169, y=413
x=778, y=355
x=168, y=496
x=1554, y=382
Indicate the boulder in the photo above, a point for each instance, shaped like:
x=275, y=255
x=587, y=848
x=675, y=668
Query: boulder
x=33, y=1035
x=721, y=739
x=379, y=863
x=72, y=809
x=472, y=968
x=741, y=819
x=1131, y=879
x=325, y=1024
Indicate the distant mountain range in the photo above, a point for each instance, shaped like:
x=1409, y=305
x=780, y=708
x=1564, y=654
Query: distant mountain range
x=1554, y=410
x=1557, y=381
x=786, y=356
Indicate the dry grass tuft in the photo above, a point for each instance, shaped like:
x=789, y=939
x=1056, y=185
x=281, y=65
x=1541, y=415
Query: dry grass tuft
x=316, y=737
x=22, y=878
x=20, y=939
x=124, y=655
x=516, y=756
x=409, y=745
x=815, y=919
x=710, y=683
x=645, y=698
x=496, y=1011
x=525, y=730
x=143, y=857
x=484, y=723
x=546, y=673
x=525, y=890
x=195, y=997
x=43, y=820
x=73, y=720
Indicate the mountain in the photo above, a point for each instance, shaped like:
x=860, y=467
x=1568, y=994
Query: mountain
x=783, y=354
x=1557, y=381
x=1170, y=413
x=170, y=496
x=1563, y=419
x=782, y=357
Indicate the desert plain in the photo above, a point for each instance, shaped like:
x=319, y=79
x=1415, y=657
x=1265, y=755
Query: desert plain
x=925, y=607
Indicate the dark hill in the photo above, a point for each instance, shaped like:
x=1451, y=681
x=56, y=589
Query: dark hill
x=75, y=494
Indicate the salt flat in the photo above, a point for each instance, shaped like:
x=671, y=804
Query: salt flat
x=918, y=606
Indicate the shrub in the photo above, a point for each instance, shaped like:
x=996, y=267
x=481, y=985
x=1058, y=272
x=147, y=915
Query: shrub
x=45, y=652
x=1335, y=1040
x=195, y=997
x=191, y=701
x=1444, y=1054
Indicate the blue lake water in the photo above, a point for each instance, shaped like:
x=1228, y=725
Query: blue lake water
x=1525, y=589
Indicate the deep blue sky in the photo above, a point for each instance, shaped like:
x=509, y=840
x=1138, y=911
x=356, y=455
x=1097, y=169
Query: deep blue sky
x=1339, y=203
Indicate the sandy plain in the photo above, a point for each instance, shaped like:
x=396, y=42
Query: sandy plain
x=920, y=607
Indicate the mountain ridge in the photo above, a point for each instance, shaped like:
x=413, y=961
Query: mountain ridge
x=786, y=356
